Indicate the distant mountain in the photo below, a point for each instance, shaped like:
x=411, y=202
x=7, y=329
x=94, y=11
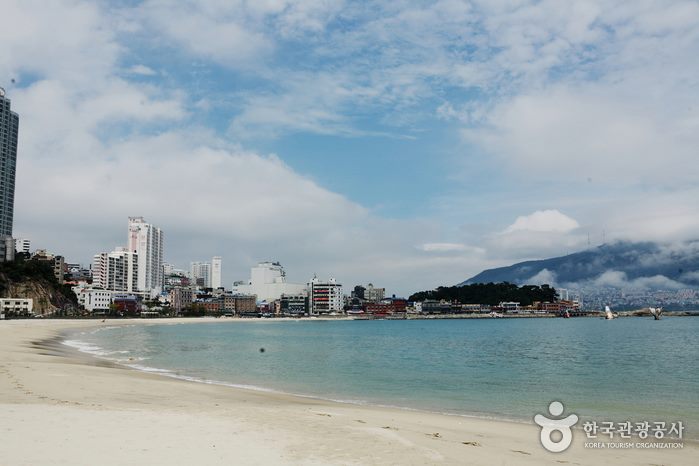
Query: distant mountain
x=621, y=264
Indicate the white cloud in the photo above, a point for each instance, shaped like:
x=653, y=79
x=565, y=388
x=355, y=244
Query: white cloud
x=142, y=70
x=450, y=247
x=617, y=279
x=544, y=277
x=591, y=132
x=68, y=40
x=543, y=221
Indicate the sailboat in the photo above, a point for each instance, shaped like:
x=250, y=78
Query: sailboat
x=656, y=312
x=608, y=314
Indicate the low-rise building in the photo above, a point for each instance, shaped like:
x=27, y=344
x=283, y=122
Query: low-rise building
x=324, y=297
x=245, y=304
x=293, y=305
x=93, y=300
x=126, y=304
x=23, y=245
x=509, y=306
x=374, y=294
x=430, y=306
x=180, y=299
x=57, y=263
x=16, y=307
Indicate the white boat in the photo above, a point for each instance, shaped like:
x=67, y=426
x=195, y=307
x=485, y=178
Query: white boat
x=608, y=314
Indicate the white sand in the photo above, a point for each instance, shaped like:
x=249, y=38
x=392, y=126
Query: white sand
x=61, y=410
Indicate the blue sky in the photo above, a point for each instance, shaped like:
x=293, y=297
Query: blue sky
x=409, y=144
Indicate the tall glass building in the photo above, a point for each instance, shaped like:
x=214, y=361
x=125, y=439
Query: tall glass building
x=9, y=128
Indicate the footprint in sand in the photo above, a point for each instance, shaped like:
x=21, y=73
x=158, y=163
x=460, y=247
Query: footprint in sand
x=473, y=444
x=520, y=451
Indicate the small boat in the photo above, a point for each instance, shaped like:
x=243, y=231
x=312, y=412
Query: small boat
x=608, y=314
x=495, y=315
x=656, y=312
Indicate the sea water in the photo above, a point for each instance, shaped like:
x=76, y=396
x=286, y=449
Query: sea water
x=635, y=369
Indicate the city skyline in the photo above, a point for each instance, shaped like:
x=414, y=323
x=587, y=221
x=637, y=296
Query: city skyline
x=405, y=145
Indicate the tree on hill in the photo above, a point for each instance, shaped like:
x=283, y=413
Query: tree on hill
x=489, y=293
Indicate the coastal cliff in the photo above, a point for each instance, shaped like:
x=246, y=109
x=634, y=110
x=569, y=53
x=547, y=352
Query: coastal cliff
x=35, y=280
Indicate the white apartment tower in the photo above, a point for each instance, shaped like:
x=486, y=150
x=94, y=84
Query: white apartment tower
x=146, y=241
x=216, y=272
x=116, y=271
x=200, y=273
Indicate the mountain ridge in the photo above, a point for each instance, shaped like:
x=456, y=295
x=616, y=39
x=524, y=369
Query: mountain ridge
x=620, y=264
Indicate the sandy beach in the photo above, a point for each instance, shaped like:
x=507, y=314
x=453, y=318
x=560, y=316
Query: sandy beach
x=59, y=407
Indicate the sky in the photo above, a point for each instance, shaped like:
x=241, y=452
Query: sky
x=409, y=144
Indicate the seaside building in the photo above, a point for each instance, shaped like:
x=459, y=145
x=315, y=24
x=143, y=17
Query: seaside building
x=116, y=271
x=176, y=280
x=293, y=305
x=268, y=283
x=201, y=274
x=373, y=294
x=509, y=306
x=23, y=245
x=16, y=307
x=126, y=304
x=93, y=300
x=146, y=241
x=324, y=297
x=76, y=272
x=57, y=263
x=9, y=130
x=430, y=306
x=244, y=304
x=180, y=298
x=216, y=272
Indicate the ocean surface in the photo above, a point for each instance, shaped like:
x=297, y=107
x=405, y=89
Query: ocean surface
x=633, y=369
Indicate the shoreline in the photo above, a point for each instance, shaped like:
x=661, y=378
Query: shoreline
x=41, y=388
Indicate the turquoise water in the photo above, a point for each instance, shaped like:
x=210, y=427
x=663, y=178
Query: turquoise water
x=633, y=369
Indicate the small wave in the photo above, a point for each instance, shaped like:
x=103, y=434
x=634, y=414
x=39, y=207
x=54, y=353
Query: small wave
x=154, y=370
x=94, y=350
x=83, y=346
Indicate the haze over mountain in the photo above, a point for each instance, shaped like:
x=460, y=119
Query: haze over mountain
x=622, y=264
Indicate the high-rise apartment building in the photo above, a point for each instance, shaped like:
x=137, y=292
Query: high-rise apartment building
x=9, y=130
x=116, y=271
x=146, y=241
x=216, y=272
x=200, y=273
